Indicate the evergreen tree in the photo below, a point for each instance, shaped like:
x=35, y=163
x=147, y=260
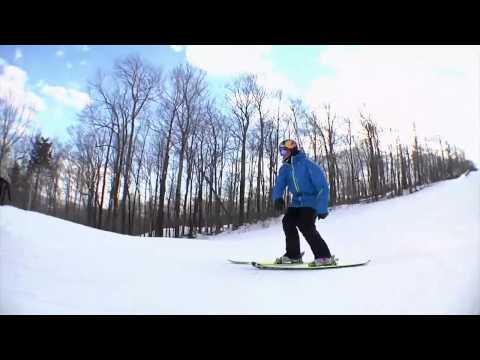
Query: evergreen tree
x=40, y=160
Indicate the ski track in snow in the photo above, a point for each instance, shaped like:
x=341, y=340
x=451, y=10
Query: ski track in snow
x=425, y=251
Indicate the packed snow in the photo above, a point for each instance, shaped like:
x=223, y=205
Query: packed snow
x=424, y=247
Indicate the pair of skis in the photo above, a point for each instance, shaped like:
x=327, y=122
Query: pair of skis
x=266, y=265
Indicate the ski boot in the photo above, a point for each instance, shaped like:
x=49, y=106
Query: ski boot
x=287, y=260
x=324, y=261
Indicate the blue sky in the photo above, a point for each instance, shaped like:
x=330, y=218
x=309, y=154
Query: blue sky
x=430, y=85
x=300, y=62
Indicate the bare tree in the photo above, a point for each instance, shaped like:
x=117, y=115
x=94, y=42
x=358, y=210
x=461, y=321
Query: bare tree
x=14, y=122
x=169, y=105
x=372, y=144
x=140, y=82
x=242, y=101
x=328, y=134
x=192, y=86
x=259, y=95
x=350, y=140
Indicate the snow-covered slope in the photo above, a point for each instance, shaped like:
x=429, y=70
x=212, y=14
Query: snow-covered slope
x=425, y=251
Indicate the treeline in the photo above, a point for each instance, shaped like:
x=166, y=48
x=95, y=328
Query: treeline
x=156, y=154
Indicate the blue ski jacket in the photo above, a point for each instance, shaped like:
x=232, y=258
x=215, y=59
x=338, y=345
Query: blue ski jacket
x=306, y=181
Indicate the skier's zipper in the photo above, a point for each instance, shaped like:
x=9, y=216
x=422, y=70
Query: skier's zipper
x=295, y=181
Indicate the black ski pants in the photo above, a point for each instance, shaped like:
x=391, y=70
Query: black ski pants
x=303, y=218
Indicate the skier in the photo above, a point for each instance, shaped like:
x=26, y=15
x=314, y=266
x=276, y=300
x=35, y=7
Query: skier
x=307, y=182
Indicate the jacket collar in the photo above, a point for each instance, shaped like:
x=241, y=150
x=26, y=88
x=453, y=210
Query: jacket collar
x=299, y=155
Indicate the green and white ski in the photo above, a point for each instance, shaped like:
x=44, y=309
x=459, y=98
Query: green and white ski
x=270, y=266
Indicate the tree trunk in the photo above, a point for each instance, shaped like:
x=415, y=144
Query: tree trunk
x=241, y=214
x=100, y=212
x=178, y=191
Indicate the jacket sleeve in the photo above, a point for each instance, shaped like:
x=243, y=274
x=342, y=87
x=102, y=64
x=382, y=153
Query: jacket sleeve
x=280, y=184
x=320, y=183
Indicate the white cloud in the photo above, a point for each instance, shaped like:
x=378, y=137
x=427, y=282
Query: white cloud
x=177, y=48
x=83, y=63
x=85, y=48
x=68, y=97
x=233, y=60
x=60, y=53
x=13, y=84
x=435, y=86
x=273, y=81
x=69, y=65
x=223, y=60
x=18, y=54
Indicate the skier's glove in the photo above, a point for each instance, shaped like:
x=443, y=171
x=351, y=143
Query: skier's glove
x=279, y=204
x=322, y=216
